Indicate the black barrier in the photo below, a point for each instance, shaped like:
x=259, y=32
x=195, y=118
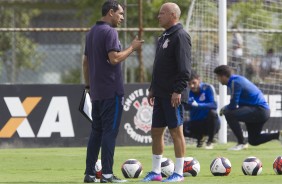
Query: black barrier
x=136, y=121
x=48, y=116
x=42, y=116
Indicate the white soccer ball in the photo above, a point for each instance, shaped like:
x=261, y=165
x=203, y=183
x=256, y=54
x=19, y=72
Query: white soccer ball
x=167, y=167
x=220, y=166
x=98, y=169
x=252, y=166
x=191, y=167
x=131, y=168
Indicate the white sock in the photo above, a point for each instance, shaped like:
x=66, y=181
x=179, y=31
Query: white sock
x=179, y=162
x=107, y=175
x=157, y=160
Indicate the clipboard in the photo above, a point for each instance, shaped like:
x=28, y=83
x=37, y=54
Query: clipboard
x=85, y=106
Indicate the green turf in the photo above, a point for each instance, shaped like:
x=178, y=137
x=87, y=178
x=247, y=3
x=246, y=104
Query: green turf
x=66, y=165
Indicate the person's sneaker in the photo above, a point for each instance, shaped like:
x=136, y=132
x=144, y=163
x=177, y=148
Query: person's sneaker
x=280, y=136
x=112, y=179
x=152, y=176
x=209, y=145
x=239, y=147
x=174, y=178
x=89, y=179
x=200, y=142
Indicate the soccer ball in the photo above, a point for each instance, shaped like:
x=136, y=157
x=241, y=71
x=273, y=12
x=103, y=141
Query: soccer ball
x=167, y=167
x=277, y=165
x=191, y=167
x=220, y=166
x=98, y=169
x=131, y=168
x=252, y=166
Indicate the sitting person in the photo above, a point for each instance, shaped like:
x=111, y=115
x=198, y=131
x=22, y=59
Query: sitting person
x=202, y=106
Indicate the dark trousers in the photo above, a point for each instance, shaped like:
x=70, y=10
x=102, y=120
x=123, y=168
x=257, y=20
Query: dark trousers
x=197, y=129
x=106, y=115
x=254, y=118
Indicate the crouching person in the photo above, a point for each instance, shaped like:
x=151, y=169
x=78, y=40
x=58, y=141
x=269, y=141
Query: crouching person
x=202, y=107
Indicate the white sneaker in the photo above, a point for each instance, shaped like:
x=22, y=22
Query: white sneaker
x=239, y=147
x=209, y=145
x=280, y=136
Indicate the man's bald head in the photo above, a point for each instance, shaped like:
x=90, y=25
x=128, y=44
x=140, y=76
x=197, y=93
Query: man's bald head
x=173, y=8
x=169, y=15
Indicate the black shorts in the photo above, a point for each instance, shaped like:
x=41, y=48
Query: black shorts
x=166, y=115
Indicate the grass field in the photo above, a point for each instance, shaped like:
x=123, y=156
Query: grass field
x=66, y=165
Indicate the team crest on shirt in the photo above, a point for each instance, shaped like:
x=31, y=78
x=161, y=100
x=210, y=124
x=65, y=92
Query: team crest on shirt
x=202, y=97
x=165, y=45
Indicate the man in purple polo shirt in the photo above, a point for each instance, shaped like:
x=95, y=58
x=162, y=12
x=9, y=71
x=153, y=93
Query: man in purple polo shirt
x=103, y=76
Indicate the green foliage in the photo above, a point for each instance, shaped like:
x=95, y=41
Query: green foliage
x=91, y=10
x=72, y=76
x=243, y=14
x=26, y=54
x=256, y=15
x=136, y=74
x=208, y=9
x=275, y=42
x=24, y=48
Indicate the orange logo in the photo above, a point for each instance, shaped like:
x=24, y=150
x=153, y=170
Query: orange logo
x=19, y=112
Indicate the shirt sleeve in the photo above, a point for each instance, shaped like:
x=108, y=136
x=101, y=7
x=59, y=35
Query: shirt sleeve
x=112, y=41
x=183, y=59
x=236, y=91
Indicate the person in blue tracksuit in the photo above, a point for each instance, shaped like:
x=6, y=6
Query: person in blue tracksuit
x=248, y=105
x=203, y=119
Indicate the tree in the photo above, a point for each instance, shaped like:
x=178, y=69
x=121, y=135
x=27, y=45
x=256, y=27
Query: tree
x=92, y=10
x=258, y=15
x=17, y=51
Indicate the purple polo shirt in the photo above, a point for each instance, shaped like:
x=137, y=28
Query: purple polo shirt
x=105, y=79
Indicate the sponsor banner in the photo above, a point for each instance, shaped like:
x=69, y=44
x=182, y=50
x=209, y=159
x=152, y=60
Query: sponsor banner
x=137, y=118
x=48, y=116
x=42, y=115
x=136, y=121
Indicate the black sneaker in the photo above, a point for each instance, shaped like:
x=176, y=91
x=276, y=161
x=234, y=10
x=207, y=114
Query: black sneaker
x=200, y=144
x=200, y=141
x=90, y=179
x=112, y=179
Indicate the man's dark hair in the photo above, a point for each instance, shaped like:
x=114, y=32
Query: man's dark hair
x=223, y=70
x=108, y=5
x=193, y=75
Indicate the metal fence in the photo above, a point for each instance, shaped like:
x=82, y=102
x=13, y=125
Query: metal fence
x=54, y=56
